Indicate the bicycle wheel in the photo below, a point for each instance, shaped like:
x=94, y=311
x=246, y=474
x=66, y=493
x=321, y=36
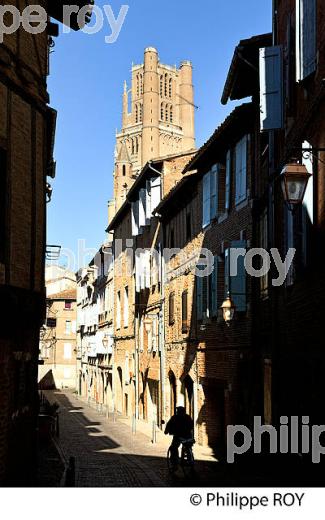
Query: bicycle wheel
x=171, y=467
x=187, y=461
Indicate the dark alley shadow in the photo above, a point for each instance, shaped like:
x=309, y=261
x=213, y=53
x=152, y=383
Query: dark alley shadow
x=96, y=467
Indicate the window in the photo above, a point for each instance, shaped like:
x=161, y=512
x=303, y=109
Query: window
x=210, y=195
x=67, y=352
x=3, y=191
x=172, y=308
x=170, y=87
x=306, y=43
x=171, y=114
x=206, y=293
x=162, y=111
x=166, y=113
x=184, y=312
x=166, y=84
x=126, y=307
x=68, y=327
x=241, y=170
x=51, y=323
x=118, y=311
x=67, y=305
x=161, y=86
x=136, y=113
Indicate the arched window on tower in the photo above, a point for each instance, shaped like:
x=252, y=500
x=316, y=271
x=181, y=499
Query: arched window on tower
x=138, y=85
x=141, y=84
x=167, y=113
x=141, y=112
x=124, y=170
x=161, y=86
x=170, y=87
x=162, y=111
x=166, y=84
x=136, y=113
x=171, y=114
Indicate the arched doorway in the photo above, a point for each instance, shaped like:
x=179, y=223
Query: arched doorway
x=172, y=393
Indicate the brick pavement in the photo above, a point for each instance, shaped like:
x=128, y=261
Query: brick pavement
x=107, y=454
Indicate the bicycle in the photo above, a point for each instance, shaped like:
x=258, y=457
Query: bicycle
x=187, y=458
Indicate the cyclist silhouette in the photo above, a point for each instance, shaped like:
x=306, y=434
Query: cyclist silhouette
x=181, y=426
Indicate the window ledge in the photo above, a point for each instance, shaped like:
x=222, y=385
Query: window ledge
x=223, y=217
x=242, y=204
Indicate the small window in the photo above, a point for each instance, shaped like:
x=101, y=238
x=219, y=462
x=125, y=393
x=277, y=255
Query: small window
x=172, y=308
x=184, y=312
x=166, y=113
x=124, y=170
x=51, y=323
x=171, y=114
x=68, y=327
x=118, y=311
x=170, y=87
x=162, y=111
x=67, y=353
x=161, y=86
x=126, y=307
x=67, y=305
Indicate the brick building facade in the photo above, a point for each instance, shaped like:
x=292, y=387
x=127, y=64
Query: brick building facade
x=27, y=127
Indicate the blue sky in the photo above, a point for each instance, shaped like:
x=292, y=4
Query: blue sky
x=86, y=83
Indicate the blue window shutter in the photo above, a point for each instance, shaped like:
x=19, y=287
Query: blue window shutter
x=214, y=289
x=228, y=180
x=227, y=268
x=238, y=283
x=206, y=199
x=241, y=170
x=199, y=297
x=306, y=42
x=214, y=192
x=271, y=88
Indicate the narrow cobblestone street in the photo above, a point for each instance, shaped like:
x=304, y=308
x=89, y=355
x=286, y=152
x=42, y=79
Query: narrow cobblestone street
x=107, y=453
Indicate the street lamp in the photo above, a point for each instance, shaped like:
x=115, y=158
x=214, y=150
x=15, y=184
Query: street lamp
x=294, y=180
x=228, y=310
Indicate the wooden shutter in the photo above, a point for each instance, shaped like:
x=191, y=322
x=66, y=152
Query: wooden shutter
x=213, y=289
x=199, y=298
x=148, y=202
x=238, y=283
x=228, y=180
x=271, y=88
x=306, y=41
x=214, y=192
x=142, y=208
x=135, y=218
x=171, y=308
x=184, y=312
x=241, y=170
x=206, y=199
x=155, y=192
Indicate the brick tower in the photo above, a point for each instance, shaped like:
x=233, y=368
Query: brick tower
x=158, y=118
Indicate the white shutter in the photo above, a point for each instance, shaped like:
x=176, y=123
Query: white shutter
x=271, y=88
x=148, y=202
x=147, y=270
x=135, y=218
x=214, y=192
x=308, y=201
x=142, y=208
x=155, y=193
x=206, y=199
x=306, y=42
x=228, y=179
